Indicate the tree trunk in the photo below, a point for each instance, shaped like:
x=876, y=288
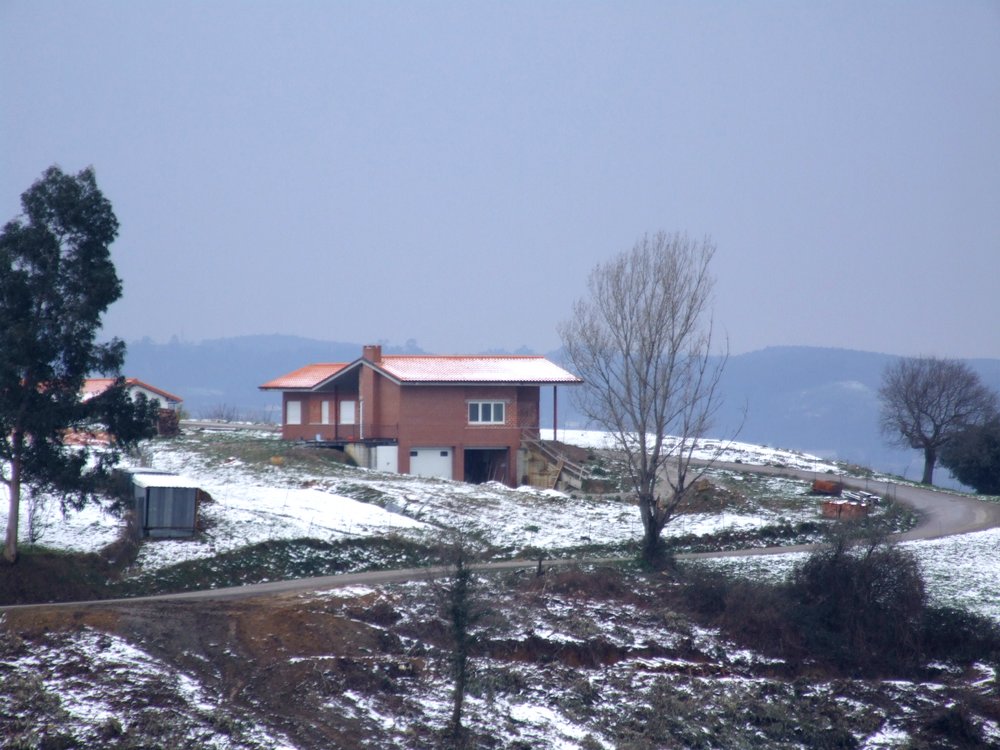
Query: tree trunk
x=930, y=458
x=652, y=545
x=458, y=699
x=14, y=511
x=460, y=618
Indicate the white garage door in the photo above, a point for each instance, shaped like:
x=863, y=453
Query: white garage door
x=431, y=462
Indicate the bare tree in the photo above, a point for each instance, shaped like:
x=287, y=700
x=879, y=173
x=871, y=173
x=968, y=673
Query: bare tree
x=927, y=401
x=642, y=342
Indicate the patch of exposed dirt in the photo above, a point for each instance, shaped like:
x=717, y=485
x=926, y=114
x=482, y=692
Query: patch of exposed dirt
x=279, y=658
x=372, y=669
x=706, y=496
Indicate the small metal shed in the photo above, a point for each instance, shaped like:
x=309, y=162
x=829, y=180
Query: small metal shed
x=166, y=505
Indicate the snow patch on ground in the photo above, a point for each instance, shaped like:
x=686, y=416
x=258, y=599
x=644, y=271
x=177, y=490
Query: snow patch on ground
x=242, y=515
x=252, y=504
x=710, y=449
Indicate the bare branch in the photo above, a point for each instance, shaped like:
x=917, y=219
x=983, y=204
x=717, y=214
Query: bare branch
x=642, y=341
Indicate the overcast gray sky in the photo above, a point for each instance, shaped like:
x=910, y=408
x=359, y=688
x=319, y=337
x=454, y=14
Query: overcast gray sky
x=450, y=171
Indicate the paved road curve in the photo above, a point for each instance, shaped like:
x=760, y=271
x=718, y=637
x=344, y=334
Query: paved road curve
x=942, y=513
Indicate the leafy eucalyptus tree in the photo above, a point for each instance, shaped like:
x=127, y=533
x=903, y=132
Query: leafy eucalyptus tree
x=642, y=341
x=56, y=281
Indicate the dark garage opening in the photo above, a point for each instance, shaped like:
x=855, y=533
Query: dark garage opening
x=485, y=465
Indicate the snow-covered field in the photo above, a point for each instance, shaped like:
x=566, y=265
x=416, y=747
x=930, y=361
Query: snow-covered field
x=253, y=504
x=725, y=451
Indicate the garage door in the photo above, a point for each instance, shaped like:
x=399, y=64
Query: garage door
x=431, y=462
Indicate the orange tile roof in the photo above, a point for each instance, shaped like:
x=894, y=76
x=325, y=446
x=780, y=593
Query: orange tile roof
x=305, y=377
x=96, y=386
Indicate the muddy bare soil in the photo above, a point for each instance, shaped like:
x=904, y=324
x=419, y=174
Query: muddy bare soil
x=588, y=659
x=271, y=661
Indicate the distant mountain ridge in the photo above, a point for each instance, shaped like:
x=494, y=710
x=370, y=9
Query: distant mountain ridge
x=224, y=374
x=817, y=400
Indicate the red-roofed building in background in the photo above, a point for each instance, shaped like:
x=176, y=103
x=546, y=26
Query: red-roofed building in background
x=457, y=417
x=168, y=403
x=96, y=386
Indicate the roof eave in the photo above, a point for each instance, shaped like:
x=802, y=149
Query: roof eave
x=490, y=382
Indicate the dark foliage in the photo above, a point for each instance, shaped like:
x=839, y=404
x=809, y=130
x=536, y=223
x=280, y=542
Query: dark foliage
x=952, y=634
x=954, y=726
x=460, y=612
x=56, y=281
x=42, y=576
x=861, y=609
x=849, y=608
x=973, y=456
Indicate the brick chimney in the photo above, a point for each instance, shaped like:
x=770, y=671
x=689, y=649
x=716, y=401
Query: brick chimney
x=372, y=352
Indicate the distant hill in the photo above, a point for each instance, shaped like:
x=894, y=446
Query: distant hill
x=822, y=401
x=224, y=374
x=817, y=400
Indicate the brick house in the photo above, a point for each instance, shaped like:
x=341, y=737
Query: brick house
x=457, y=417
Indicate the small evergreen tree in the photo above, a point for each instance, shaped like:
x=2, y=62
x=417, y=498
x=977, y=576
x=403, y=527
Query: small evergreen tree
x=460, y=618
x=56, y=281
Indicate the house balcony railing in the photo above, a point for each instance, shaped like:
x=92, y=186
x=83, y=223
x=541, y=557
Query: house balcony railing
x=350, y=433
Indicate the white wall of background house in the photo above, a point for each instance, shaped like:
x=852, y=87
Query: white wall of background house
x=387, y=458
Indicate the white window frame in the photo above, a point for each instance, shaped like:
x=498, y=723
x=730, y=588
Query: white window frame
x=293, y=412
x=475, y=412
x=324, y=412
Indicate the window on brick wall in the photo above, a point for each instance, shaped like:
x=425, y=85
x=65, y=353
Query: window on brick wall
x=486, y=412
x=347, y=412
x=293, y=412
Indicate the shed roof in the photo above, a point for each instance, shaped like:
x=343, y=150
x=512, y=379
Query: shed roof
x=164, y=480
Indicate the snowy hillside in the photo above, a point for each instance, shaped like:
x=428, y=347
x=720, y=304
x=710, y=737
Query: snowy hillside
x=264, y=501
x=574, y=660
